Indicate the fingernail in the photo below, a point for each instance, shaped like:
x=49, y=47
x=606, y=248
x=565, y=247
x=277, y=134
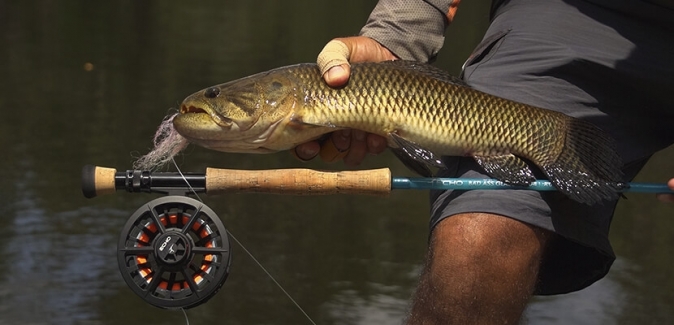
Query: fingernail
x=345, y=134
x=335, y=73
x=375, y=142
x=342, y=140
x=305, y=153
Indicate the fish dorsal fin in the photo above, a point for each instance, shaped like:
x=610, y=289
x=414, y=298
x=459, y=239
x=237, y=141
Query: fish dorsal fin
x=428, y=70
x=507, y=168
x=414, y=156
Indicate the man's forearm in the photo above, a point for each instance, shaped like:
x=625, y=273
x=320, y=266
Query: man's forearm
x=411, y=29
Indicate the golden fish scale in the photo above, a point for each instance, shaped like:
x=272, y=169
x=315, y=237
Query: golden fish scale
x=439, y=115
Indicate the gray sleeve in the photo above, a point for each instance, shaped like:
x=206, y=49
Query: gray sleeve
x=411, y=29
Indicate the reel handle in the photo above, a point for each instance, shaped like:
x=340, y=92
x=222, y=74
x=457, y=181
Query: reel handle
x=299, y=181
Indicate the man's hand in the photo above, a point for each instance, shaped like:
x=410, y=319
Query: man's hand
x=668, y=197
x=350, y=145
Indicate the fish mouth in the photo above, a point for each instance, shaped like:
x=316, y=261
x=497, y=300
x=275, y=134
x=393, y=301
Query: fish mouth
x=197, y=122
x=201, y=125
x=217, y=118
x=186, y=109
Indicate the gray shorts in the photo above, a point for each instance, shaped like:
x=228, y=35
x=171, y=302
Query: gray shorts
x=583, y=60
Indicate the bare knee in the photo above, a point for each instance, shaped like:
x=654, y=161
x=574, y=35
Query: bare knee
x=481, y=268
x=475, y=239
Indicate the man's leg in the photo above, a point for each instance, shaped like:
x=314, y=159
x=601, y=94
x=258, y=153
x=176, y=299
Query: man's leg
x=481, y=269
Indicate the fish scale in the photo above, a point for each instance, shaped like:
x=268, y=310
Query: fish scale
x=461, y=128
x=420, y=109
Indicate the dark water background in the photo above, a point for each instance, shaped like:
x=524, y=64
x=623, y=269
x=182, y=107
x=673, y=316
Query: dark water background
x=345, y=259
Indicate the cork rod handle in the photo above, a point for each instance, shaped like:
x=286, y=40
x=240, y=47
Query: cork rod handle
x=375, y=182
x=97, y=180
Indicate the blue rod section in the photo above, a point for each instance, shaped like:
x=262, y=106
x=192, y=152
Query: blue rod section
x=439, y=183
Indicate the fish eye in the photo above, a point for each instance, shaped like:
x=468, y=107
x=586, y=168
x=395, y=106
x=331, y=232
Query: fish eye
x=212, y=92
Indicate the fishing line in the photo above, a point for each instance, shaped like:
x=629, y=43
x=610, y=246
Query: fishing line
x=245, y=250
x=187, y=320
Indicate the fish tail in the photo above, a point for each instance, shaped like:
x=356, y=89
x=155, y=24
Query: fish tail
x=588, y=168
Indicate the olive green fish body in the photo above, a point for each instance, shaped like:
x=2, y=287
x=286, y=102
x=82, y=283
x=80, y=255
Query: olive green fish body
x=421, y=110
x=444, y=117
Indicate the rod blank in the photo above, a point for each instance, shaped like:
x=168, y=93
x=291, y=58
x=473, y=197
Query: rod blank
x=493, y=184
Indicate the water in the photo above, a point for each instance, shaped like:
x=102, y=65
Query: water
x=88, y=83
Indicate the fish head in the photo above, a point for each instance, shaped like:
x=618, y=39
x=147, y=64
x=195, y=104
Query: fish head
x=238, y=116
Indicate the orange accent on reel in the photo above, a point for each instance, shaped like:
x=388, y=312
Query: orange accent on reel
x=143, y=239
x=146, y=274
x=152, y=227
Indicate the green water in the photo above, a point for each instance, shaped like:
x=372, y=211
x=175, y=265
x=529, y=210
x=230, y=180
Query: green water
x=344, y=259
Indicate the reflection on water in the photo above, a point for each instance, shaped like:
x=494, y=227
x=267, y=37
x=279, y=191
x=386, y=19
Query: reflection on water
x=60, y=266
x=382, y=307
x=346, y=260
x=601, y=303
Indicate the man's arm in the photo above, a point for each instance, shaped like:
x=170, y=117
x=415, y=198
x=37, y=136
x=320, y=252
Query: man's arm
x=412, y=30
x=396, y=29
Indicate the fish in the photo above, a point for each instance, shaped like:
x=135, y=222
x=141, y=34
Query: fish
x=424, y=112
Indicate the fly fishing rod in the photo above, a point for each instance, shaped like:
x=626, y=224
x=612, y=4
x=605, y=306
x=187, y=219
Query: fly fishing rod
x=174, y=251
x=100, y=180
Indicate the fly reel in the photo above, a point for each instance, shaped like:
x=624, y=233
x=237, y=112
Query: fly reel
x=174, y=252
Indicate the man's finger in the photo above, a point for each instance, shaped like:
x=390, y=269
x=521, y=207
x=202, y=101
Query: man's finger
x=334, y=54
x=666, y=198
x=336, y=146
x=376, y=144
x=307, y=151
x=338, y=75
x=358, y=149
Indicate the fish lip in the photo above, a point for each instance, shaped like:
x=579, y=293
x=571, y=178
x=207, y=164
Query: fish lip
x=206, y=109
x=249, y=144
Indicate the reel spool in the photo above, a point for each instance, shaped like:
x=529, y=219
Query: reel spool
x=174, y=252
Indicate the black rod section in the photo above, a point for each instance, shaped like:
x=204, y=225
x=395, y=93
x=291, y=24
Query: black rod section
x=98, y=180
x=162, y=182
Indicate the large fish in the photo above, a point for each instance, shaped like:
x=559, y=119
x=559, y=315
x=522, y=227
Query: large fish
x=424, y=113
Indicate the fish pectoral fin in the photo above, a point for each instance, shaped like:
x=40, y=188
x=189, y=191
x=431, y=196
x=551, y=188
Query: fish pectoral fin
x=413, y=156
x=412, y=164
x=299, y=121
x=299, y=125
x=507, y=168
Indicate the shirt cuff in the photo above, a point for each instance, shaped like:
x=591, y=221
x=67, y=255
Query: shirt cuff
x=411, y=29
